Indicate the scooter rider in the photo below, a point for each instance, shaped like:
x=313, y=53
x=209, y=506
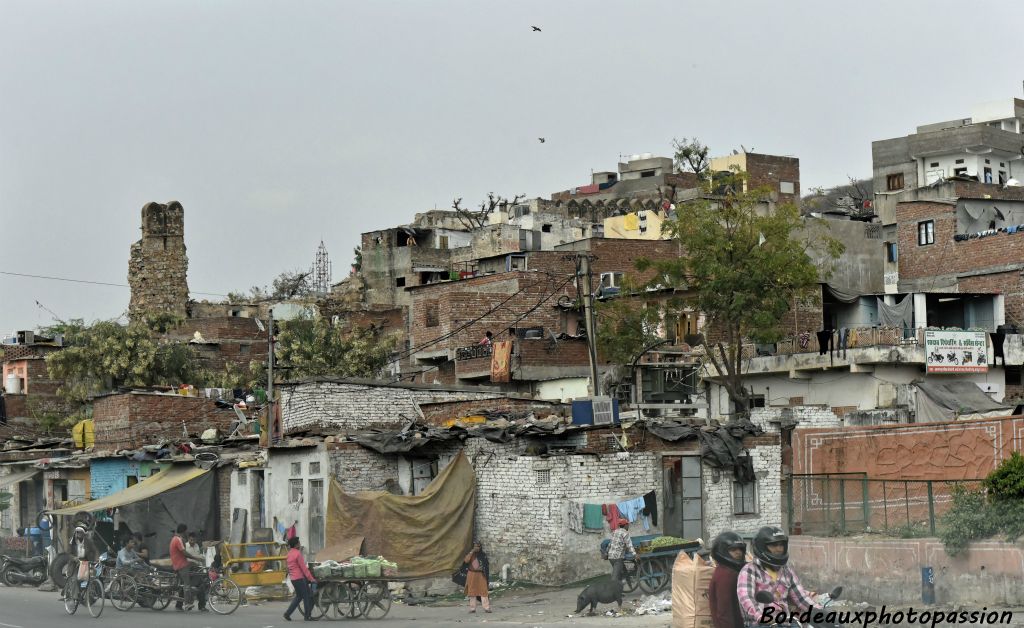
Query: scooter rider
x=769, y=572
x=729, y=551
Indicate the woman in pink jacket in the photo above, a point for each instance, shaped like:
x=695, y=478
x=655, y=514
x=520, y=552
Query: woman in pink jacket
x=302, y=581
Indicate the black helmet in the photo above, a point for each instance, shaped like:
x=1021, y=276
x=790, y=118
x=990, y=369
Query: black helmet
x=765, y=537
x=720, y=549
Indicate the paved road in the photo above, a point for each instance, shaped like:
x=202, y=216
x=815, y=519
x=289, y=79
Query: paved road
x=24, y=607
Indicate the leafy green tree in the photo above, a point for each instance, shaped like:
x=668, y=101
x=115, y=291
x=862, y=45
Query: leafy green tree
x=105, y=355
x=743, y=266
x=691, y=156
x=314, y=347
x=1006, y=482
x=625, y=329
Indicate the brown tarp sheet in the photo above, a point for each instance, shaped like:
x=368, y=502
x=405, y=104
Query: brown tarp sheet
x=425, y=534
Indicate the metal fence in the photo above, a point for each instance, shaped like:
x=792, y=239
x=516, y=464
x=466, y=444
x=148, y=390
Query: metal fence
x=835, y=504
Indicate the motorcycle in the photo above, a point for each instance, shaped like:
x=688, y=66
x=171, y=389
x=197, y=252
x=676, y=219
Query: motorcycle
x=822, y=603
x=15, y=571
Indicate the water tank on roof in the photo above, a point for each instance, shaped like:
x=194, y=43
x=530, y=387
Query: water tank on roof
x=13, y=384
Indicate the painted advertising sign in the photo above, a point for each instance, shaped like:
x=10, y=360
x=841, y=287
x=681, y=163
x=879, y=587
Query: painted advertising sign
x=956, y=351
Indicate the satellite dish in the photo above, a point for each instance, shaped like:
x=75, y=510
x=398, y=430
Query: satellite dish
x=1012, y=183
x=259, y=324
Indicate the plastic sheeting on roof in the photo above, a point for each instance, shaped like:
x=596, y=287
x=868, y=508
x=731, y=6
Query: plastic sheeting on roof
x=949, y=401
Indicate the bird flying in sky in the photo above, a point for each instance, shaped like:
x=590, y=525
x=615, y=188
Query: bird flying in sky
x=536, y=28
x=541, y=139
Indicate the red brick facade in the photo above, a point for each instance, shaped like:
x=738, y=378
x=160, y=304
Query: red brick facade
x=937, y=265
x=129, y=420
x=226, y=340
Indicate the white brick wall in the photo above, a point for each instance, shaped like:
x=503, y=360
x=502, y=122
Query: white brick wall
x=358, y=406
x=718, y=496
x=768, y=419
x=524, y=523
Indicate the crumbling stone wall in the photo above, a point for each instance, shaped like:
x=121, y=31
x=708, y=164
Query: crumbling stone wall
x=354, y=405
x=158, y=266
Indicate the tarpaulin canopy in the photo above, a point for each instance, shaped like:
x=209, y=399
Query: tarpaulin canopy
x=13, y=479
x=154, y=507
x=166, y=479
x=938, y=401
x=425, y=534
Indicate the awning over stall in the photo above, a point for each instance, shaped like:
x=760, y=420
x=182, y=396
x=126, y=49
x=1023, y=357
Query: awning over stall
x=157, y=505
x=166, y=479
x=13, y=479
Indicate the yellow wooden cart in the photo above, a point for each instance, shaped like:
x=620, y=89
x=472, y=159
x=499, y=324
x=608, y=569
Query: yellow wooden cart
x=254, y=571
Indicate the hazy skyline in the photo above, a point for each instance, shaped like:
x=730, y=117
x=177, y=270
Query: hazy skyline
x=279, y=124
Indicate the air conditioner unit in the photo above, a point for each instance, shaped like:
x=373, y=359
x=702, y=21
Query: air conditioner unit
x=595, y=411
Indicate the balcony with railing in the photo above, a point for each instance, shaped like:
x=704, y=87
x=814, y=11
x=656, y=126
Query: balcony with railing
x=863, y=346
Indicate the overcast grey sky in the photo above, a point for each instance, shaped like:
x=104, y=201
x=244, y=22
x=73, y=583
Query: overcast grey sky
x=277, y=124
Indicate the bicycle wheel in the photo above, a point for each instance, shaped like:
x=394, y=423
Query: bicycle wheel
x=349, y=606
x=224, y=596
x=94, y=599
x=123, y=592
x=70, y=595
x=325, y=602
x=652, y=575
x=374, y=600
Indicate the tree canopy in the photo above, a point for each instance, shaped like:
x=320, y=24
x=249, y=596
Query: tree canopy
x=105, y=355
x=315, y=347
x=743, y=268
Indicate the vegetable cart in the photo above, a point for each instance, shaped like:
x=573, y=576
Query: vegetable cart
x=652, y=568
x=353, y=590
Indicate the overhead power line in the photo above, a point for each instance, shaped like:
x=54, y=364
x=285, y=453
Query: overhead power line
x=95, y=283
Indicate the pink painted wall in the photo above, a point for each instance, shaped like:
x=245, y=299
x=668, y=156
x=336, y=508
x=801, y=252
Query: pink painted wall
x=888, y=571
x=957, y=450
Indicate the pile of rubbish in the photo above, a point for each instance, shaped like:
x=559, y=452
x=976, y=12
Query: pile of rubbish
x=653, y=604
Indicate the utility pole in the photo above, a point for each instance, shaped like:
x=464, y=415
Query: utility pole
x=270, y=379
x=583, y=267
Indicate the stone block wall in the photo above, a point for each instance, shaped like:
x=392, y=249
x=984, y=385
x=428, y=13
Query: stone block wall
x=158, y=265
x=356, y=406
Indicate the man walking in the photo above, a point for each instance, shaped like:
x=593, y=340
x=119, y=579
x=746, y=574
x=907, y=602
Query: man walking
x=180, y=558
x=621, y=546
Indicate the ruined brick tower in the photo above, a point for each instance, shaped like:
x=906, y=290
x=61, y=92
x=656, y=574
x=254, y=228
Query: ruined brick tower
x=158, y=267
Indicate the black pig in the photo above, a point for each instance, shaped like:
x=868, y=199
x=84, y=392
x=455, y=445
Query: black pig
x=604, y=592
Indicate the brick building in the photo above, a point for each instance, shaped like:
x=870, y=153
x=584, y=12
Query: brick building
x=223, y=341
x=518, y=489
x=29, y=391
x=132, y=420
x=964, y=238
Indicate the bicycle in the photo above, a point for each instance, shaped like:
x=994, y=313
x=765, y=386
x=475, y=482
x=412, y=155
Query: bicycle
x=89, y=591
